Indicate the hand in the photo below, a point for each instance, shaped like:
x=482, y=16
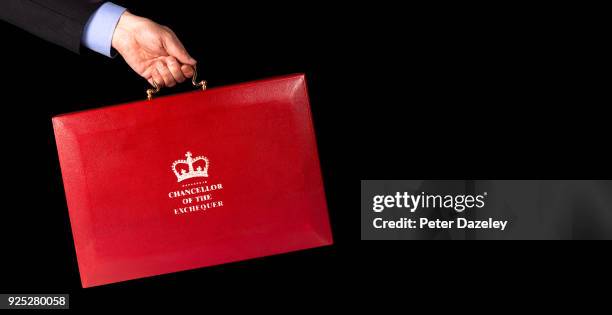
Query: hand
x=152, y=50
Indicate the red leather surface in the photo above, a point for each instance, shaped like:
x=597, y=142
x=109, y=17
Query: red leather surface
x=117, y=162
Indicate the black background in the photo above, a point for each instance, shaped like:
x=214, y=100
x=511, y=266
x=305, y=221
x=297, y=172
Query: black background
x=396, y=92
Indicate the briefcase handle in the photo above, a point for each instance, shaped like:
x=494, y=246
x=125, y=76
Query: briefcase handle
x=194, y=81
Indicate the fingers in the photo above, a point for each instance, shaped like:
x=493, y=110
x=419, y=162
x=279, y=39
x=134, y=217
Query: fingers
x=175, y=48
x=175, y=69
x=187, y=71
x=156, y=77
x=168, y=71
x=165, y=74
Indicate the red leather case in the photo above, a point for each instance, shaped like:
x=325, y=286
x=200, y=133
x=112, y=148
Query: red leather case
x=192, y=180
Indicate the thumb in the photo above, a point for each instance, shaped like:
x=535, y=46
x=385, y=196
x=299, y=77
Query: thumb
x=175, y=48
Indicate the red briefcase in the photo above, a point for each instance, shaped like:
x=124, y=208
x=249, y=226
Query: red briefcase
x=192, y=180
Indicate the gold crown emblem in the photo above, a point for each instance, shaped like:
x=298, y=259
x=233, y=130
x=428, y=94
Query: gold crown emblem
x=192, y=169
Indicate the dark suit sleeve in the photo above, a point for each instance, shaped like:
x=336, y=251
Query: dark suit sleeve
x=58, y=21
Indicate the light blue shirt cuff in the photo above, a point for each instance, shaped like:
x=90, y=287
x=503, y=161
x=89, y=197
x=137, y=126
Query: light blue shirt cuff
x=98, y=32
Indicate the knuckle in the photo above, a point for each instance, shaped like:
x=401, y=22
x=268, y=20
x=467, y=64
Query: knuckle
x=173, y=65
x=169, y=30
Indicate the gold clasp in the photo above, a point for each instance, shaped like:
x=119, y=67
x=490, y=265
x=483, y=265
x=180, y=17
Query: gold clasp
x=201, y=84
x=152, y=91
